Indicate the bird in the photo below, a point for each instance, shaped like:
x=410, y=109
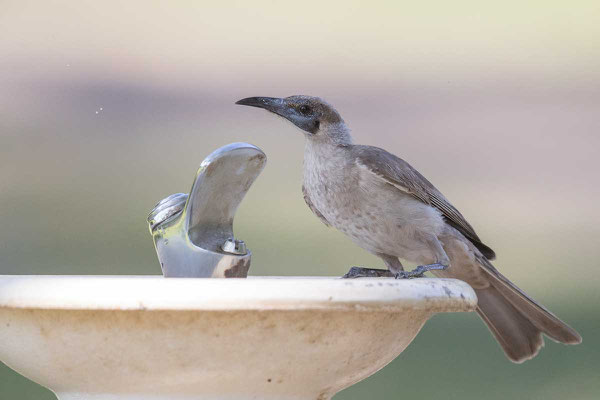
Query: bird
x=388, y=208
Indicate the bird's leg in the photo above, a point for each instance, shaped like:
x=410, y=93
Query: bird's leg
x=392, y=263
x=420, y=271
x=360, y=272
x=440, y=255
x=393, y=267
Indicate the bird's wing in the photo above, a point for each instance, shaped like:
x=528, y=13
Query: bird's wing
x=404, y=177
x=313, y=208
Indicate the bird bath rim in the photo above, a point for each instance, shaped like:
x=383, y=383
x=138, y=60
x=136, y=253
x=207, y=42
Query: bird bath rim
x=154, y=292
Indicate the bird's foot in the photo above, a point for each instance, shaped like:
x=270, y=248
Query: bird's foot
x=420, y=271
x=360, y=272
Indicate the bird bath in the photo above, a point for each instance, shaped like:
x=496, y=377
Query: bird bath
x=198, y=337
x=151, y=338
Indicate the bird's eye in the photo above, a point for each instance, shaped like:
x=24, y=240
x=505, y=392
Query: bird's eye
x=304, y=109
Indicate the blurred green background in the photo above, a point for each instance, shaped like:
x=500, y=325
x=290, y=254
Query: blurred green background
x=107, y=107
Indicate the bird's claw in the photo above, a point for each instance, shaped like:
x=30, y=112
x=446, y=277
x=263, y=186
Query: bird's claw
x=360, y=272
x=408, y=275
x=419, y=272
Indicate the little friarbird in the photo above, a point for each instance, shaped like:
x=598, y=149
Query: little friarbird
x=388, y=208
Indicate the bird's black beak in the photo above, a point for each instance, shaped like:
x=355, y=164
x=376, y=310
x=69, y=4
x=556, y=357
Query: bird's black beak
x=272, y=104
x=284, y=109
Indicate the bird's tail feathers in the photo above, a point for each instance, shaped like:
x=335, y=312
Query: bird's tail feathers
x=541, y=317
x=520, y=339
x=516, y=320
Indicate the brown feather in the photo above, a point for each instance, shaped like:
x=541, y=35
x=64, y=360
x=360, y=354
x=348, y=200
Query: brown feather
x=403, y=176
x=541, y=317
x=520, y=339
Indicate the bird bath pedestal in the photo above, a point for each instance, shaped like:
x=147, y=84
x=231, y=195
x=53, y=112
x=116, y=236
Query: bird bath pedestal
x=154, y=338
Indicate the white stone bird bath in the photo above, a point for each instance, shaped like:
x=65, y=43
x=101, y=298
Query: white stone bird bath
x=154, y=338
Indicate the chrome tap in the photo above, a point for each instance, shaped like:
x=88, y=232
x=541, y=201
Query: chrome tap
x=193, y=234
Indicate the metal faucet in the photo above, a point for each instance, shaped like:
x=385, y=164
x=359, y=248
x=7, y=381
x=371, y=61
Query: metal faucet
x=193, y=234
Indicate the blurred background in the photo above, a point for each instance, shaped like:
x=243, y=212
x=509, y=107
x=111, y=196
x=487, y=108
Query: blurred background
x=107, y=107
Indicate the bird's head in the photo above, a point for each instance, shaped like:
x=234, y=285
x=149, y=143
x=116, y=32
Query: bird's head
x=317, y=118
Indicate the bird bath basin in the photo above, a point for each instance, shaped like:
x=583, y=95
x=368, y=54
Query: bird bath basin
x=151, y=338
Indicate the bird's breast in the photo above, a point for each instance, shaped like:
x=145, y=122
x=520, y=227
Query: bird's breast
x=375, y=215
